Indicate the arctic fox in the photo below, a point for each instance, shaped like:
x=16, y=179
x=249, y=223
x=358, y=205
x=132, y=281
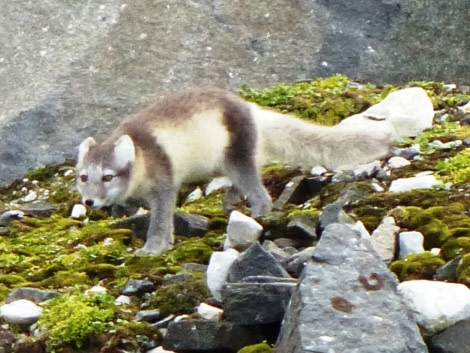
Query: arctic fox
x=196, y=134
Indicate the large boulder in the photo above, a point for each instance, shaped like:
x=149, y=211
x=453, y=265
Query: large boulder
x=70, y=69
x=347, y=301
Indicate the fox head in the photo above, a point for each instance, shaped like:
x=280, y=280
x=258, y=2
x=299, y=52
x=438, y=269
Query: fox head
x=103, y=171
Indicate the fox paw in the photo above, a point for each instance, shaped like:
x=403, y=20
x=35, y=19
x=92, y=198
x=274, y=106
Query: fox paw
x=152, y=250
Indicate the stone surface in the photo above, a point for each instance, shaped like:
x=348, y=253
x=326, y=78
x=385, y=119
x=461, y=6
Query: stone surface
x=217, y=271
x=242, y=231
x=190, y=225
x=421, y=181
x=33, y=294
x=84, y=65
x=211, y=336
x=255, y=261
x=410, y=243
x=148, y=315
x=384, y=239
x=455, y=339
x=256, y=303
x=138, y=287
x=363, y=314
x=448, y=272
x=209, y=312
x=437, y=305
x=20, y=312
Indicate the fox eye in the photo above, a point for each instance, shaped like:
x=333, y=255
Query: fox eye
x=107, y=178
x=84, y=178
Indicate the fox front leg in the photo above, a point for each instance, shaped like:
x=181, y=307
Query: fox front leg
x=160, y=232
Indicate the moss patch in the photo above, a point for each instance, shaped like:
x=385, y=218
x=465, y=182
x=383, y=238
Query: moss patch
x=417, y=266
x=257, y=348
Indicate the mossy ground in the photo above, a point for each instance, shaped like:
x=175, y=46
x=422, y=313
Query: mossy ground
x=55, y=252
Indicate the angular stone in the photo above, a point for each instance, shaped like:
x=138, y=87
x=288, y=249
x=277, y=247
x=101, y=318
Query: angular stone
x=421, y=181
x=217, y=271
x=242, y=231
x=410, y=243
x=437, y=305
x=255, y=261
x=32, y=294
x=256, y=303
x=209, y=336
x=333, y=213
x=346, y=301
x=455, y=339
x=303, y=227
x=138, y=287
x=384, y=239
x=294, y=192
x=191, y=225
x=448, y=272
x=148, y=315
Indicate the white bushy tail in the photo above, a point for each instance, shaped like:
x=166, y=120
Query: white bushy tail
x=286, y=139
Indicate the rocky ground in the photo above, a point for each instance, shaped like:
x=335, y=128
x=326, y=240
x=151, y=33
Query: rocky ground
x=94, y=295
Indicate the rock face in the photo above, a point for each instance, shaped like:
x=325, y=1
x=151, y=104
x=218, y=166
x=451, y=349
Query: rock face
x=363, y=314
x=84, y=65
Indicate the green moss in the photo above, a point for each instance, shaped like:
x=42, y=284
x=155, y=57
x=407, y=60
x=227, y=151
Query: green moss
x=76, y=320
x=11, y=279
x=325, y=100
x=463, y=270
x=257, y=348
x=191, y=250
x=455, y=169
x=417, y=266
x=133, y=336
x=66, y=279
x=455, y=247
x=180, y=298
x=209, y=206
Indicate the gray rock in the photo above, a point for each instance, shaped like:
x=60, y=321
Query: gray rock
x=32, y=294
x=138, y=287
x=255, y=261
x=448, y=272
x=384, y=239
x=97, y=62
x=209, y=336
x=256, y=303
x=148, y=315
x=363, y=314
x=8, y=216
x=333, y=213
x=410, y=243
x=455, y=339
x=296, y=263
x=191, y=225
x=303, y=227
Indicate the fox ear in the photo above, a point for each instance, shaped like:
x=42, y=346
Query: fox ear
x=124, y=151
x=84, y=148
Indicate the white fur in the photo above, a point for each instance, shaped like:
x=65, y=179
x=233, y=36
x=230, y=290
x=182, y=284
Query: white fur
x=197, y=149
x=124, y=151
x=84, y=148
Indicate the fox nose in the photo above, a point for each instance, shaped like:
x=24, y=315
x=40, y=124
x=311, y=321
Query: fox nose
x=89, y=202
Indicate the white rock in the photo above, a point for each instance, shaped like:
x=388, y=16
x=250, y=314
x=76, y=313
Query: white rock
x=122, y=300
x=209, y=312
x=241, y=231
x=402, y=113
x=217, y=183
x=32, y=195
x=398, y=162
x=217, y=271
x=367, y=170
x=437, y=305
x=420, y=181
x=195, y=194
x=318, y=170
x=446, y=146
x=160, y=350
x=361, y=229
x=96, y=290
x=21, y=312
x=409, y=110
x=410, y=243
x=384, y=238
x=78, y=211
